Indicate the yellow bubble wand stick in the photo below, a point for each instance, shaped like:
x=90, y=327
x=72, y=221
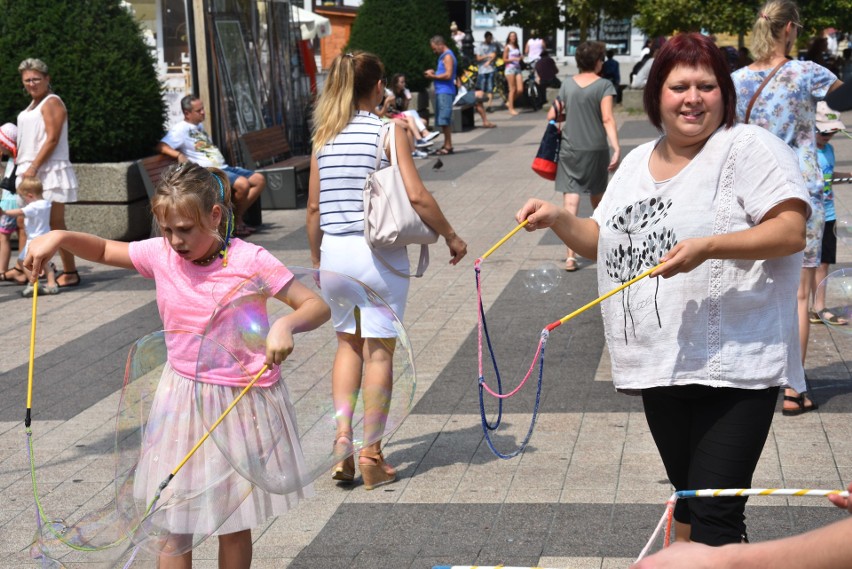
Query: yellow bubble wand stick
x=40, y=515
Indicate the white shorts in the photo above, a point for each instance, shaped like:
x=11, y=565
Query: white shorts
x=350, y=255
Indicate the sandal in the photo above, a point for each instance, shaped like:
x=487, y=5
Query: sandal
x=11, y=278
x=443, y=151
x=376, y=473
x=489, y=125
x=802, y=408
x=813, y=317
x=75, y=282
x=571, y=264
x=344, y=471
x=825, y=315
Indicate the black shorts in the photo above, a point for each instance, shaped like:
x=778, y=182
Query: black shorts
x=829, y=244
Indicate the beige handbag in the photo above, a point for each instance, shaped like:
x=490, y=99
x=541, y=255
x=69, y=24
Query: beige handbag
x=390, y=221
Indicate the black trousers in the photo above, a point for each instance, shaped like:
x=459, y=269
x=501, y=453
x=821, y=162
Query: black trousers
x=710, y=438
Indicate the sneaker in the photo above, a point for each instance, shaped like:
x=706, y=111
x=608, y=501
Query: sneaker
x=419, y=154
x=28, y=290
x=431, y=135
x=422, y=143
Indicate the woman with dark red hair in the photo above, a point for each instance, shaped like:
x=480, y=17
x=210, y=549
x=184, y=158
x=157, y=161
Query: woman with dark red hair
x=708, y=346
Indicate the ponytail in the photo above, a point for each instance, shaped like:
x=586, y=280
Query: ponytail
x=771, y=21
x=352, y=77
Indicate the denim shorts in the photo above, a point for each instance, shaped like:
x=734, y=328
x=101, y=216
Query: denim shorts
x=234, y=172
x=443, y=109
x=8, y=224
x=485, y=82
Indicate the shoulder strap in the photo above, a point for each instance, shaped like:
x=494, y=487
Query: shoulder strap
x=386, y=134
x=759, y=89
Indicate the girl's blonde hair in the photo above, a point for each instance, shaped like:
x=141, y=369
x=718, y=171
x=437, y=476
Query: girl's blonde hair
x=771, y=21
x=351, y=78
x=191, y=191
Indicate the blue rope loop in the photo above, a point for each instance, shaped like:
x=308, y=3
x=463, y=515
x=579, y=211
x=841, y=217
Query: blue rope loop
x=525, y=442
x=496, y=423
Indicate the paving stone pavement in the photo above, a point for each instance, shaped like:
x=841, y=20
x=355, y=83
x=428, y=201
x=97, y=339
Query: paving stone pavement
x=586, y=493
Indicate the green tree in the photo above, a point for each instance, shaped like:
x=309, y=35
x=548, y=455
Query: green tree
x=546, y=16
x=99, y=64
x=664, y=17
x=398, y=31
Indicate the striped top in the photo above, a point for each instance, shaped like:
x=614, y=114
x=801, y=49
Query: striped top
x=344, y=164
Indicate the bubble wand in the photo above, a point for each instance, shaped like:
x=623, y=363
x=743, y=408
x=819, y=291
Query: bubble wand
x=482, y=331
x=668, y=514
x=40, y=514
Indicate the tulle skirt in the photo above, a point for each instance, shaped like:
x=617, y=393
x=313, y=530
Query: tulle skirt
x=174, y=426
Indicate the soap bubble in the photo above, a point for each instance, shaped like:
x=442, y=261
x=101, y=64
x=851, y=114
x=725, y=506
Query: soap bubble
x=284, y=439
x=843, y=227
x=837, y=291
x=543, y=278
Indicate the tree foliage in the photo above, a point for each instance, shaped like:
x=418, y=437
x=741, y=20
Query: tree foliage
x=398, y=31
x=664, y=17
x=99, y=64
x=546, y=16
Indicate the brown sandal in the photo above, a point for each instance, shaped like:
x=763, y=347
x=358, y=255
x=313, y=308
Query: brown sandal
x=377, y=473
x=6, y=277
x=802, y=408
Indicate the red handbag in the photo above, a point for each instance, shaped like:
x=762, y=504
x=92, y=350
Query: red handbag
x=546, y=160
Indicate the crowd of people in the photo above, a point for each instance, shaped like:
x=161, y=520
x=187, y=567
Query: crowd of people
x=729, y=207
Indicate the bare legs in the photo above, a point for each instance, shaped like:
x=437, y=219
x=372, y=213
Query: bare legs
x=246, y=191
x=69, y=266
x=682, y=531
x=235, y=552
x=571, y=202
x=803, y=295
x=516, y=86
x=363, y=365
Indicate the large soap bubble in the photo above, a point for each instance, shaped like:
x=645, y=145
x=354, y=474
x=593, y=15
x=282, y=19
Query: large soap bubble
x=283, y=438
x=168, y=499
x=836, y=289
x=146, y=512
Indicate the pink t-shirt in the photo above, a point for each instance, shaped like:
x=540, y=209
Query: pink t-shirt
x=189, y=294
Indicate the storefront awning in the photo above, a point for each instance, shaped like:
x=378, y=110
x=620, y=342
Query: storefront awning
x=313, y=25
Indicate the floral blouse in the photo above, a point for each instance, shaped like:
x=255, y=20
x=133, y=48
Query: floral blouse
x=787, y=108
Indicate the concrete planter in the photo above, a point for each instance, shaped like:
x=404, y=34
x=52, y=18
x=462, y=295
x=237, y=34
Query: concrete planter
x=112, y=202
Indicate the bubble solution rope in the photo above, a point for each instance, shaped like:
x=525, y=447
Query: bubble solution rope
x=482, y=331
x=668, y=514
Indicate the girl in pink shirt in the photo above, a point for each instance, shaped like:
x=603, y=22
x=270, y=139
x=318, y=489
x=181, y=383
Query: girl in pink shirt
x=195, y=257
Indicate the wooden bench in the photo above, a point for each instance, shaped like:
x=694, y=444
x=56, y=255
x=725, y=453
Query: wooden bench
x=151, y=171
x=268, y=151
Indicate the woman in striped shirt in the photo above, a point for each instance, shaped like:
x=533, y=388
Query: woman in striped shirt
x=345, y=145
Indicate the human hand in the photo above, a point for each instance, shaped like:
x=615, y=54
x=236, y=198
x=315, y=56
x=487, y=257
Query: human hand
x=458, y=248
x=678, y=555
x=429, y=73
x=41, y=249
x=30, y=173
x=842, y=501
x=613, y=162
x=279, y=342
x=538, y=214
x=683, y=257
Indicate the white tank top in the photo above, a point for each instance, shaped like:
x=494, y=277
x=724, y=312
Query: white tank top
x=535, y=46
x=32, y=134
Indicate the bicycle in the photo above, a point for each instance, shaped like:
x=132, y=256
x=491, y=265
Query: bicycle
x=531, y=88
